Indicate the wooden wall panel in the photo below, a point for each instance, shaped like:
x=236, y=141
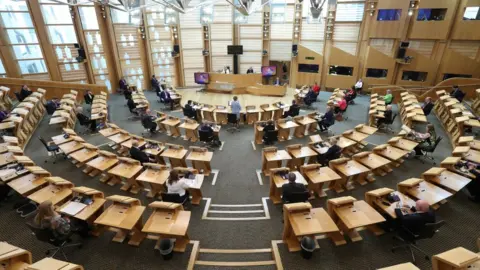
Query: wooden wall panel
x=466, y=30
x=456, y=63
x=433, y=29
x=341, y=58
x=419, y=63
x=302, y=78
x=376, y=59
x=389, y=29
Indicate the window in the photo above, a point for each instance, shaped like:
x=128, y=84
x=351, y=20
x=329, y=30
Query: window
x=415, y=76
x=341, y=70
x=389, y=14
x=56, y=14
x=14, y=20
x=428, y=14
x=308, y=68
x=451, y=75
x=32, y=66
x=88, y=18
x=22, y=36
x=471, y=13
x=62, y=34
x=377, y=73
x=278, y=13
x=3, y=73
x=12, y=5
x=27, y=51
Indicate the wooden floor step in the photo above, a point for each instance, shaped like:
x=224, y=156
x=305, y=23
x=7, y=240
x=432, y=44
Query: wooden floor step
x=212, y=250
x=240, y=264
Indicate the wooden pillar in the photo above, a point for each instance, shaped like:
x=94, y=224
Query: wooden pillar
x=112, y=48
x=77, y=24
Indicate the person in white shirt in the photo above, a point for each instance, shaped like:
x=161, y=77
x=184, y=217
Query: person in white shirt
x=359, y=86
x=176, y=185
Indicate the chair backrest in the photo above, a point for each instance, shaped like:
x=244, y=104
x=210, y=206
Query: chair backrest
x=43, y=142
x=297, y=197
x=294, y=111
x=437, y=141
x=172, y=197
x=19, y=97
x=430, y=229
x=232, y=118
x=44, y=235
x=185, y=112
x=393, y=119
x=272, y=135
x=205, y=136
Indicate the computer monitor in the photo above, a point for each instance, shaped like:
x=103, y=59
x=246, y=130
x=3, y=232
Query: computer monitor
x=268, y=71
x=201, y=77
x=235, y=49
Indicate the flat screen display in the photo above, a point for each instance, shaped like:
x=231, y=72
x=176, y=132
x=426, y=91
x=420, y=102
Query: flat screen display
x=471, y=13
x=201, y=77
x=269, y=71
x=235, y=49
x=308, y=68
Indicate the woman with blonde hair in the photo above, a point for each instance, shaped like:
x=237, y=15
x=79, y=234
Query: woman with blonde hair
x=47, y=218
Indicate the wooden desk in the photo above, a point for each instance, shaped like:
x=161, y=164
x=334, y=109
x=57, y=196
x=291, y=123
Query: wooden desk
x=101, y=164
x=84, y=155
x=252, y=115
x=403, y=266
x=6, y=158
x=221, y=114
x=172, y=123
x=355, y=135
x=258, y=130
x=300, y=220
x=423, y=190
x=176, y=156
x=273, y=158
x=403, y=144
x=347, y=145
x=305, y=125
x=351, y=214
x=120, y=137
x=12, y=257
x=191, y=130
x=109, y=131
x=457, y=258
x=208, y=113
x=373, y=161
x=127, y=169
x=168, y=220
x=467, y=153
x=284, y=128
x=72, y=146
x=155, y=176
x=195, y=184
x=299, y=154
x=155, y=149
x=317, y=176
x=316, y=138
x=57, y=191
x=127, y=145
x=53, y=264
x=348, y=170
x=267, y=112
x=277, y=181
x=446, y=179
x=200, y=158
x=450, y=162
x=392, y=153
x=376, y=197
x=59, y=139
x=31, y=182
x=125, y=215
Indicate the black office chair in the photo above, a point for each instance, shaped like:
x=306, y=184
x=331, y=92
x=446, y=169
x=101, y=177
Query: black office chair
x=295, y=111
x=19, y=97
x=147, y=125
x=84, y=124
x=298, y=197
x=206, y=138
x=47, y=236
x=174, y=198
x=427, y=153
x=188, y=113
x=270, y=137
x=409, y=239
x=51, y=148
x=232, y=119
x=387, y=126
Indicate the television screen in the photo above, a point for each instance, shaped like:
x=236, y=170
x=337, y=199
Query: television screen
x=308, y=68
x=389, y=14
x=235, y=49
x=341, y=70
x=201, y=77
x=377, y=73
x=471, y=13
x=269, y=71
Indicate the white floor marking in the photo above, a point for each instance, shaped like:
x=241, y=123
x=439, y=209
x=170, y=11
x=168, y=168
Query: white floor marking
x=253, y=145
x=103, y=144
x=221, y=147
x=259, y=176
x=236, y=205
x=236, y=212
x=209, y=205
x=215, y=172
x=265, y=207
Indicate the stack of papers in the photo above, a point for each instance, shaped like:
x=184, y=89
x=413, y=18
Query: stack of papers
x=73, y=208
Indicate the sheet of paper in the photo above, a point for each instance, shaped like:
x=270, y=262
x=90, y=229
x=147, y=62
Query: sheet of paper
x=74, y=208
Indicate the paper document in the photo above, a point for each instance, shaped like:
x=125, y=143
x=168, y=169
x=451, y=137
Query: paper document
x=406, y=129
x=73, y=208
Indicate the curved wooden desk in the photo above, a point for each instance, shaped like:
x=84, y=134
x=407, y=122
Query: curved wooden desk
x=238, y=84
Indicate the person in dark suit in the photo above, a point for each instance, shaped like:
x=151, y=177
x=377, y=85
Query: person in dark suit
x=155, y=84
x=474, y=186
x=148, y=121
x=269, y=127
x=208, y=128
x=52, y=105
x=291, y=188
x=86, y=120
x=88, y=97
x=427, y=106
x=310, y=97
x=137, y=153
x=25, y=92
x=457, y=93
x=333, y=152
x=190, y=111
x=327, y=119
x=165, y=98
x=293, y=109
x=123, y=84
x=132, y=106
x=388, y=116
x=250, y=70
x=415, y=221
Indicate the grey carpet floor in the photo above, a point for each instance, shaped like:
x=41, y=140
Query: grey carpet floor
x=237, y=183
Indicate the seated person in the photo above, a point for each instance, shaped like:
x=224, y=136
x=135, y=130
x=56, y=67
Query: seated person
x=293, y=109
x=341, y=105
x=291, y=188
x=427, y=139
x=176, y=185
x=25, y=92
x=47, y=218
x=457, y=93
x=388, y=97
x=310, y=97
x=326, y=120
x=427, y=106
x=269, y=127
x=277, y=81
x=350, y=94
x=474, y=186
x=250, y=70
x=137, y=153
x=415, y=221
x=359, y=86
x=123, y=84
x=127, y=93
x=148, y=121
x=316, y=88
x=132, y=106
x=190, y=111
x=387, y=116
x=4, y=115
x=165, y=98
x=155, y=84
x=208, y=128
x=52, y=105
x=85, y=120
x=88, y=97
x=333, y=152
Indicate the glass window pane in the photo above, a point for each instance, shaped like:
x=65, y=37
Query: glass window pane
x=56, y=14
x=27, y=51
x=62, y=34
x=88, y=17
x=16, y=20
x=119, y=16
x=2, y=69
x=32, y=66
x=12, y=5
x=22, y=36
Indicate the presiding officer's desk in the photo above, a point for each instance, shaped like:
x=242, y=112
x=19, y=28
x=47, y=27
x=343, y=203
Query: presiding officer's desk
x=243, y=84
